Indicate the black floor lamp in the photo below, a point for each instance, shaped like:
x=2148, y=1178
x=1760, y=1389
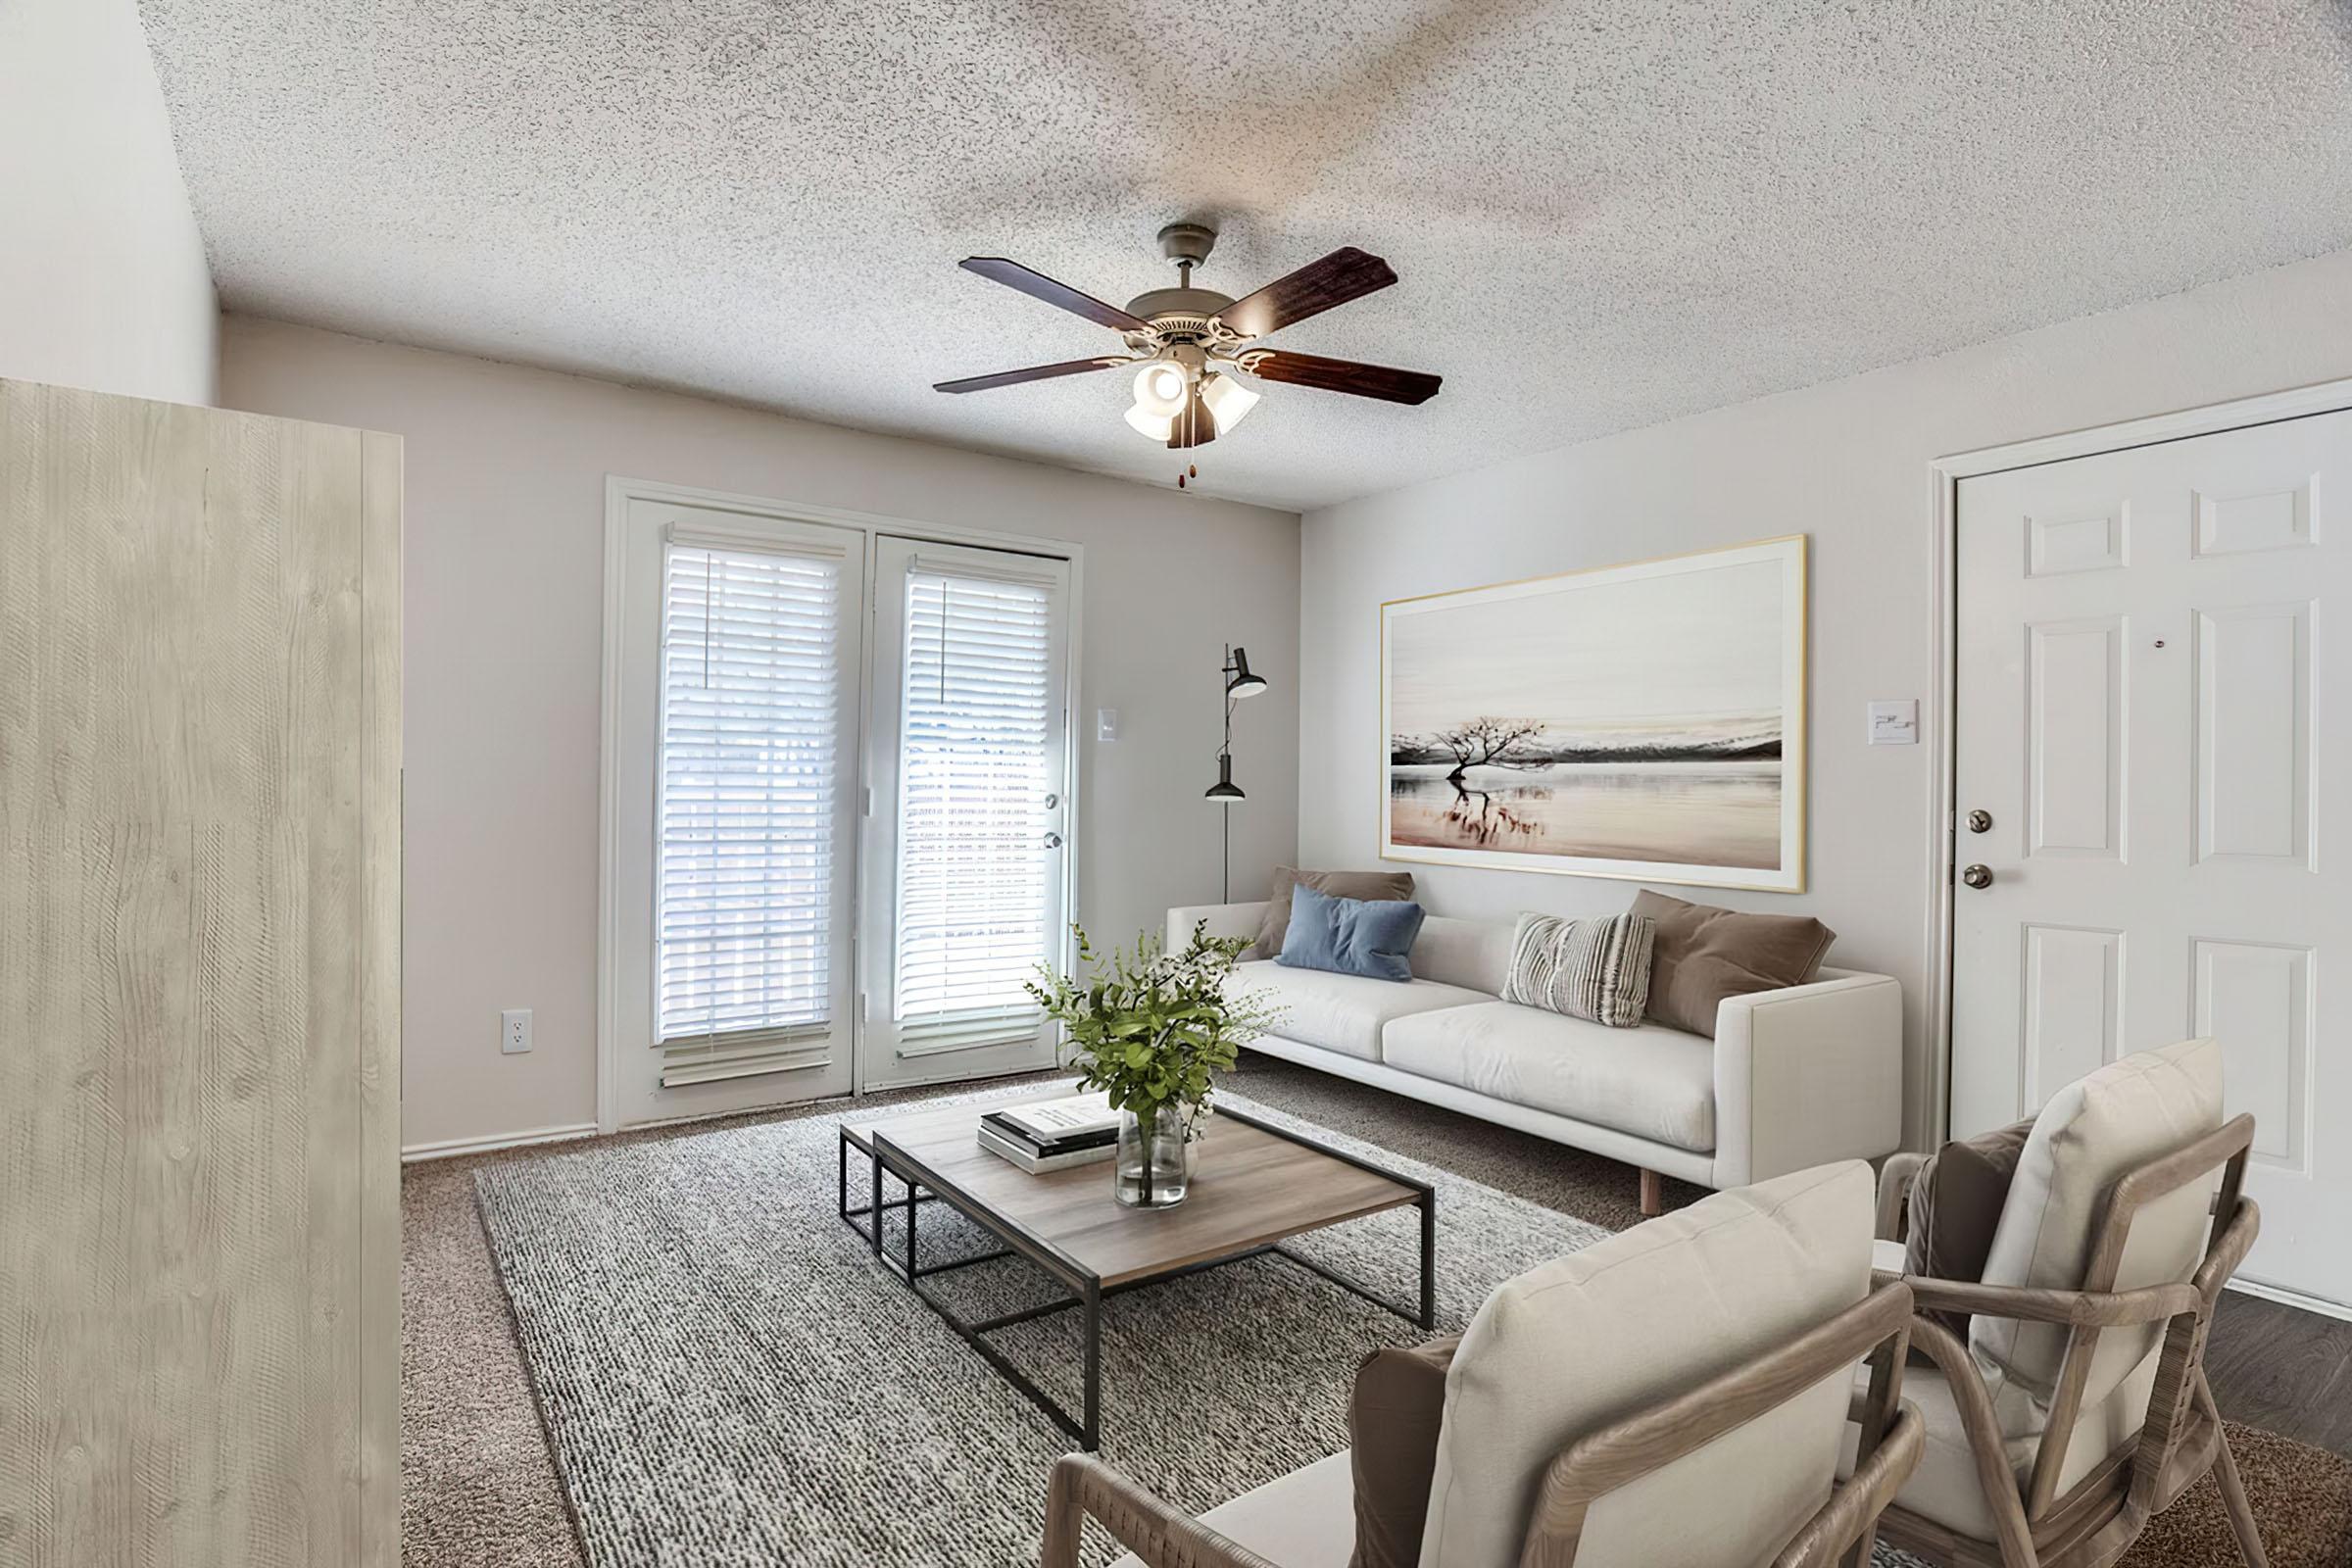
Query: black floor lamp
x=1238, y=683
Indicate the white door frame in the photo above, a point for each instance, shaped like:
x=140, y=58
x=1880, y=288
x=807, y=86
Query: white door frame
x=619, y=492
x=1943, y=481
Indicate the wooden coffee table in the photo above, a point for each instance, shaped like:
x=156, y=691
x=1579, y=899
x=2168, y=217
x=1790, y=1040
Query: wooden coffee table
x=1255, y=1185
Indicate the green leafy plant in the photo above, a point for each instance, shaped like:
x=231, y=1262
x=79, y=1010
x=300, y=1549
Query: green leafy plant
x=1152, y=1028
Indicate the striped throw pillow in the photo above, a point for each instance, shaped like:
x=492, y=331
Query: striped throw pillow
x=1597, y=969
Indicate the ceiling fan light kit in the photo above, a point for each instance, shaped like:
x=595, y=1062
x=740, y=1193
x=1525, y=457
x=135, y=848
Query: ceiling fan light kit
x=1196, y=351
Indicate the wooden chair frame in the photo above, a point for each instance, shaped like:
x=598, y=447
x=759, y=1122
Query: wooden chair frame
x=1876, y=1329
x=2096, y=1521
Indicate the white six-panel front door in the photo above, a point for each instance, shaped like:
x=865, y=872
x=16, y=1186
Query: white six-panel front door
x=2151, y=720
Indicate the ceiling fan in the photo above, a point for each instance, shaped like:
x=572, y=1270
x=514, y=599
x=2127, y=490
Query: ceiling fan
x=1194, y=351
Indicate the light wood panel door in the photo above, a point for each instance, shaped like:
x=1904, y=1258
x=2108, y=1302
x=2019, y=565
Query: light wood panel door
x=199, y=987
x=2151, y=720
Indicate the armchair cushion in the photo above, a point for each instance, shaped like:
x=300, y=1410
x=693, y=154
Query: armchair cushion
x=1295, y=1521
x=1704, y=954
x=1945, y=1489
x=1589, y=1339
x=1393, y=1417
x=1956, y=1202
x=2091, y=1134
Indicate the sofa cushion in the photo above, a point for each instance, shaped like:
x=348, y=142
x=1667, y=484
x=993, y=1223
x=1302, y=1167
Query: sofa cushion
x=1596, y=968
x=1704, y=954
x=1342, y=1012
x=1649, y=1082
x=1300, y=1520
x=2091, y=1134
x=1275, y=923
x=1393, y=1412
x=1370, y=937
x=1633, y=1321
x=1473, y=953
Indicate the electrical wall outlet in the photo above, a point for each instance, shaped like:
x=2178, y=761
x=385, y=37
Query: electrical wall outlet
x=514, y=1031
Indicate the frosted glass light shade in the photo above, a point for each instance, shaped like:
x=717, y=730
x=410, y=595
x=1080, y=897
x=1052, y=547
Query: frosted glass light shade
x=1229, y=402
x=1154, y=426
x=1160, y=388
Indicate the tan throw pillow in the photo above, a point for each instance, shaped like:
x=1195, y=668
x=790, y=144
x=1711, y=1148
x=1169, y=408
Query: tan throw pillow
x=1956, y=1201
x=1704, y=954
x=1394, y=1414
x=1377, y=886
x=1597, y=969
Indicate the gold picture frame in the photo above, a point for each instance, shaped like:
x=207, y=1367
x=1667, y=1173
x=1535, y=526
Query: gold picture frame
x=1643, y=721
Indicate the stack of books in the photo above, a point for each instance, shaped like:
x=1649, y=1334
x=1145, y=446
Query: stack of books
x=1053, y=1135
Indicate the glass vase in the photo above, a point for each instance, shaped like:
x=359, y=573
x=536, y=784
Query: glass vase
x=1153, y=1170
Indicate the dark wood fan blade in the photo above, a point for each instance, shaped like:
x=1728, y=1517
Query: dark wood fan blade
x=1038, y=286
x=1344, y=376
x=1346, y=274
x=1035, y=373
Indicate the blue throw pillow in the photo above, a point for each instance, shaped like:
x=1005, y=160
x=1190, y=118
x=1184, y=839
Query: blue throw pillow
x=1370, y=937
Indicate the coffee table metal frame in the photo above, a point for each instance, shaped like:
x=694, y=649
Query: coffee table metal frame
x=1087, y=1293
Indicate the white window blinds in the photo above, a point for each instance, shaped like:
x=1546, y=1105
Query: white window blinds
x=979, y=717
x=751, y=685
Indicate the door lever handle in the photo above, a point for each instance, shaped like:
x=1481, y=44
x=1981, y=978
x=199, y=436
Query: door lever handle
x=1978, y=876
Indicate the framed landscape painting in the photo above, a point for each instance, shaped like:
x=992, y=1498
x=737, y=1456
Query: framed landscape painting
x=1643, y=721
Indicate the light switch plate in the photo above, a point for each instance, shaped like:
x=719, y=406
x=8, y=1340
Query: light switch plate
x=514, y=1031
x=1894, y=723
x=1107, y=723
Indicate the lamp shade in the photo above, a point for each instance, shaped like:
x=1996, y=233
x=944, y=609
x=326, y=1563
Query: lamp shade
x=1160, y=387
x=1224, y=791
x=1228, y=399
x=1241, y=681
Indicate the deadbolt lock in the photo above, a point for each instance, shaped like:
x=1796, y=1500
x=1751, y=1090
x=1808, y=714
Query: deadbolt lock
x=1979, y=821
x=1978, y=876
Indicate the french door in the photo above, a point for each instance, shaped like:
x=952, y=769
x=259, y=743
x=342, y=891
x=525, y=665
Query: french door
x=967, y=773
x=2151, y=742
x=839, y=788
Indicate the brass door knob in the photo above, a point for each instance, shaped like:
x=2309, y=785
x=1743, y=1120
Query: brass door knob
x=1978, y=876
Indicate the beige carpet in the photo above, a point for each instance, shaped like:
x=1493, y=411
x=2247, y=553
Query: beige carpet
x=478, y=1485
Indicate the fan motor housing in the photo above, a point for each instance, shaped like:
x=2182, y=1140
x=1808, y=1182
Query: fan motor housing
x=1198, y=304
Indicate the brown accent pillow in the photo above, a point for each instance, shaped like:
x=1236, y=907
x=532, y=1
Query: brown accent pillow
x=1704, y=954
x=1377, y=886
x=1956, y=1202
x=1393, y=1417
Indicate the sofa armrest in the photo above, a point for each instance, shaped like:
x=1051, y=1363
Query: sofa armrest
x=1224, y=921
x=1807, y=1075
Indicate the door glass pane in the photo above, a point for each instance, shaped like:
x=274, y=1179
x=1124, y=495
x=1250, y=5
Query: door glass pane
x=976, y=773
x=751, y=673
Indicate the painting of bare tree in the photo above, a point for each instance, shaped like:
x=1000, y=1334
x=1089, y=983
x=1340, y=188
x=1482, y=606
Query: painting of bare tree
x=1644, y=720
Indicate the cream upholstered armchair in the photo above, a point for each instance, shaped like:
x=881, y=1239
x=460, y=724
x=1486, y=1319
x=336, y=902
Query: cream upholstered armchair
x=1686, y=1382
x=2078, y=1407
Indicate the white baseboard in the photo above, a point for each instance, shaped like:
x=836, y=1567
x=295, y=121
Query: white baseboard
x=451, y=1148
x=2284, y=1297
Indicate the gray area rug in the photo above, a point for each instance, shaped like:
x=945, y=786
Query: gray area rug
x=730, y=1379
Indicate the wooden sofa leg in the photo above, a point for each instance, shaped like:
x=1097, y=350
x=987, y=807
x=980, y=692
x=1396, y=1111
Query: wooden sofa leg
x=1653, y=1194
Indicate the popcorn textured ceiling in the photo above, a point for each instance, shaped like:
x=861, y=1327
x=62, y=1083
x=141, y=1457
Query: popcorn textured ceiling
x=1604, y=214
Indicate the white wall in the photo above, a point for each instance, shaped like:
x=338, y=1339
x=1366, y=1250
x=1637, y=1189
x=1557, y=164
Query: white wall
x=504, y=586
x=1847, y=462
x=103, y=281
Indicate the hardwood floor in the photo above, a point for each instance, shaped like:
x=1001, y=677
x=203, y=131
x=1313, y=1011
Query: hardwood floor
x=2282, y=1369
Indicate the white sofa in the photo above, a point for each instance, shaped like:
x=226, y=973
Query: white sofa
x=1793, y=1079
